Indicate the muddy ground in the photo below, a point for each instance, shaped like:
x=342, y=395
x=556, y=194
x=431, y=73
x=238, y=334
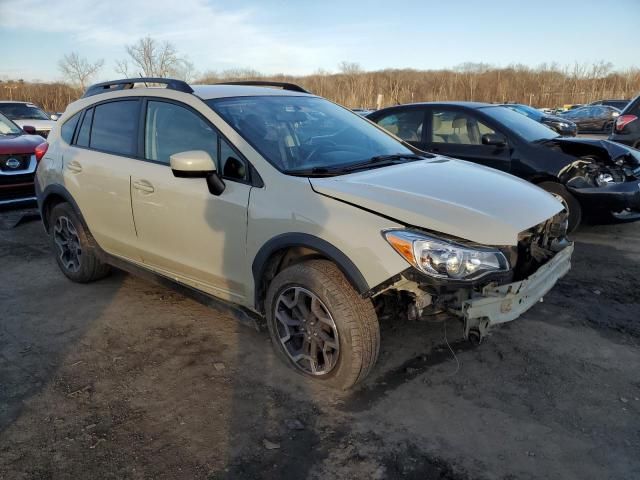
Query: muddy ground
x=127, y=379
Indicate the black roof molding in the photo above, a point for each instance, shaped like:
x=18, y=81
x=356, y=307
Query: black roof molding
x=259, y=83
x=128, y=83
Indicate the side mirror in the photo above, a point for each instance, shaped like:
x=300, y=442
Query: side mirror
x=29, y=129
x=54, y=117
x=197, y=164
x=494, y=139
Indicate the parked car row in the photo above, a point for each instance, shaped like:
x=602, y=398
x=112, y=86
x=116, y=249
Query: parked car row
x=25, y=113
x=589, y=176
x=307, y=216
x=19, y=154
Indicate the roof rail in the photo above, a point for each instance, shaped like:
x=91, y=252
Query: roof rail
x=128, y=83
x=259, y=83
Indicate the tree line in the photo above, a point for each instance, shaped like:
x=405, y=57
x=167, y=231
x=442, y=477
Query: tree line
x=548, y=85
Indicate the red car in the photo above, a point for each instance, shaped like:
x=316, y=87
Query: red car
x=20, y=152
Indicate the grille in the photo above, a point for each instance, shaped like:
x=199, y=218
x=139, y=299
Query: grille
x=24, y=160
x=17, y=191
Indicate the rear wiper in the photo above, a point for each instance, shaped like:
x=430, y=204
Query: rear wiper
x=381, y=160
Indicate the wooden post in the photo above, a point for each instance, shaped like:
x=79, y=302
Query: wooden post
x=379, y=102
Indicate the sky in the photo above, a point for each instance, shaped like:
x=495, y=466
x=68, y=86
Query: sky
x=303, y=36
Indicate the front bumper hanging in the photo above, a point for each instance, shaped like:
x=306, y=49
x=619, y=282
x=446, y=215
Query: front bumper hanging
x=505, y=303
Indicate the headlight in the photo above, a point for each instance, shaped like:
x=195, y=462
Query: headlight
x=445, y=259
x=563, y=125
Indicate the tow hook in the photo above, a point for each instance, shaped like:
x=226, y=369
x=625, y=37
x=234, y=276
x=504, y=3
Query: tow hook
x=474, y=337
x=476, y=329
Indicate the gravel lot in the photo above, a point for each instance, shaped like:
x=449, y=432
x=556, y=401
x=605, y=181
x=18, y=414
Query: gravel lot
x=127, y=379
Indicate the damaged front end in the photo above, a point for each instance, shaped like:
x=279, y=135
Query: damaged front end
x=541, y=257
x=605, y=177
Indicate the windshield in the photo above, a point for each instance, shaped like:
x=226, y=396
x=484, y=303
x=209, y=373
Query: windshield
x=7, y=127
x=528, y=129
x=22, y=111
x=297, y=134
x=526, y=110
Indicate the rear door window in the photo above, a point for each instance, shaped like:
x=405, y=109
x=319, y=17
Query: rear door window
x=451, y=126
x=406, y=125
x=114, y=128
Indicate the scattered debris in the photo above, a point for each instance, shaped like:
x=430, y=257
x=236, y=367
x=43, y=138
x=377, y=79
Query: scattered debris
x=623, y=400
x=100, y=440
x=270, y=445
x=294, y=424
x=219, y=366
x=597, y=292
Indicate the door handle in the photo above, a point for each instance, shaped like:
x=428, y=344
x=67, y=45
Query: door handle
x=143, y=186
x=74, y=167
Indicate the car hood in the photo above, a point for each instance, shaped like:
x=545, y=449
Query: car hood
x=449, y=196
x=605, y=149
x=19, y=143
x=37, y=124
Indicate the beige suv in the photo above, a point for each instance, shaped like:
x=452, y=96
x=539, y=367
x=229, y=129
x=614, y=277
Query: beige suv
x=295, y=210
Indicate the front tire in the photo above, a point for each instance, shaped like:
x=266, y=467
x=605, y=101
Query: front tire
x=570, y=203
x=320, y=326
x=76, y=252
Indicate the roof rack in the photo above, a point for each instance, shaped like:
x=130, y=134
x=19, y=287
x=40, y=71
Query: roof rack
x=128, y=83
x=259, y=83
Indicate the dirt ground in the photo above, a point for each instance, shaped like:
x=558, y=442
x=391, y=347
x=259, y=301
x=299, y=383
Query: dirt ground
x=127, y=379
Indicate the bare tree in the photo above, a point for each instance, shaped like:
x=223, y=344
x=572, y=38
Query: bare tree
x=78, y=70
x=151, y=58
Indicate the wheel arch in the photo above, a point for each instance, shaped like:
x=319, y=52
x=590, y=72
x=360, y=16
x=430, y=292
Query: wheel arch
x=52, y=196
x=290, y=248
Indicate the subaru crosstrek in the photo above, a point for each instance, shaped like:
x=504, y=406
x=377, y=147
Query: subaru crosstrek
x=294, y=210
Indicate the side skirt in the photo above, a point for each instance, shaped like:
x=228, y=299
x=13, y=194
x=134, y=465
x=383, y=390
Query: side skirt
x=241, y=314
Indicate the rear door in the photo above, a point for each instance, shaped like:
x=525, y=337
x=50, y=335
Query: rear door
x=183, y=230
x=407, y=124
x=96, y=170
x=458, y=133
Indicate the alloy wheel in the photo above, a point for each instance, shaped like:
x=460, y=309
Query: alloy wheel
x=306, y=330
x=66, y=239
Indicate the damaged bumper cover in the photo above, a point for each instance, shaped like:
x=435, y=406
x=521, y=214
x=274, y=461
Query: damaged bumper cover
x=505, y=303
x=615, y=196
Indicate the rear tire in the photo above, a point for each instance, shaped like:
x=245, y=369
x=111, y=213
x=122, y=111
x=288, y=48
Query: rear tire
x=303, y=293
x=76, y=251
x=570, y=203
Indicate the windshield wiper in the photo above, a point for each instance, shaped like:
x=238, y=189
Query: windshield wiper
x=377, y=161
x=311, y=172
x=382, y=160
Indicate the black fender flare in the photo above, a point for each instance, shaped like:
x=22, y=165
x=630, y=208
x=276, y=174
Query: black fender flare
x=295, y=239
x=59, y=191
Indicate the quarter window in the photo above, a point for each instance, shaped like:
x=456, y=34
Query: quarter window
x=450, y=126
x=67, y=129
x=233, y=166
x=114, y=127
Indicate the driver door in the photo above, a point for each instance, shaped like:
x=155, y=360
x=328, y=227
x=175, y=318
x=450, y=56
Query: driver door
x=184, y=231
x=458, y=134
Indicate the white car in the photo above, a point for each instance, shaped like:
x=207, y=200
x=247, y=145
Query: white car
x=293, y=210
x=27, y=114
